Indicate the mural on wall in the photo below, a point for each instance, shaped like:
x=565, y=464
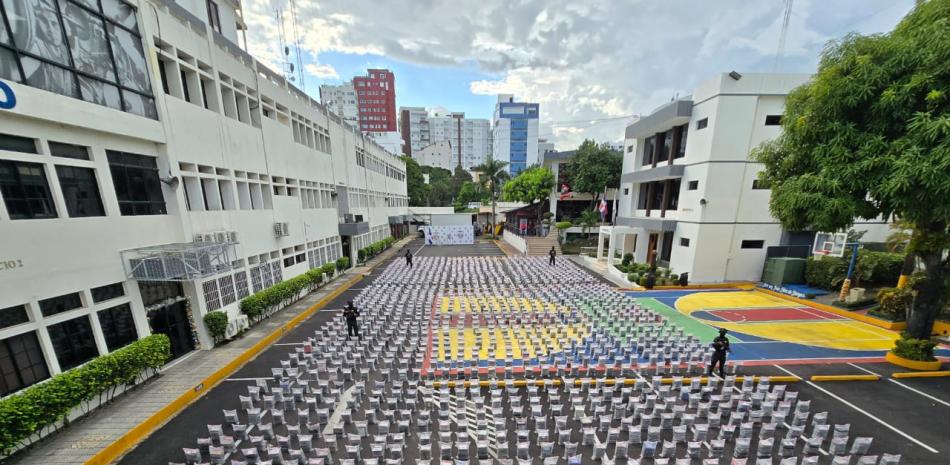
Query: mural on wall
x=449, y=235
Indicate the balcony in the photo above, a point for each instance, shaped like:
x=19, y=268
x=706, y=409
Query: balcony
x=659, y=173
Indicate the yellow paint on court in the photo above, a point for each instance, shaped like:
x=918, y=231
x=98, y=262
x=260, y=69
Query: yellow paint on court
x=515, y=343
x=835, y=334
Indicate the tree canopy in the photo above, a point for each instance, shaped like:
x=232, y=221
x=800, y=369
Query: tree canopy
x=868, y=137
x=593, y=168
x=493, y=174
x=531, y=185
x=416, y=188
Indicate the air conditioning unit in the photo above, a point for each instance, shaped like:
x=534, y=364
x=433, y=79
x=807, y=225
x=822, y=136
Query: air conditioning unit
x=199, y=238
x=233, y=235
x=281, y=229
x=222, y=237
x=209, y=237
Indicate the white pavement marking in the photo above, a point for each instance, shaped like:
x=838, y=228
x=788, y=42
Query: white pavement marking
x=420, y=248
x=866, y=413
x=810, y=341
x=289, y=344
x=246, y=379
x=941, y=401
x=338, y=411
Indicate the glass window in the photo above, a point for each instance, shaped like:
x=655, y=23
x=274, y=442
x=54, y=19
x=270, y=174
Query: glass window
x=8, y=64
x=137, y=184
x=702, y=123
x=12, y=316
x=61, y=149
x=36, y=28
x=80, y=191
x=214, y=19
x=21, y=363
x=693, y=185
x=761, y=184
x=48, y=77
x=73, y=342
x=100, y=93
x=87, y=36
x=648, y=150
x=107, y=292
x=773, y=120
x=118, y=327
x=17, y=143
x=667, y=249
x=130, y=59
x=25, y=190
x=681, y=147
x=120, y=12
x=752, y=244
x=60, y=304
x=684, y=242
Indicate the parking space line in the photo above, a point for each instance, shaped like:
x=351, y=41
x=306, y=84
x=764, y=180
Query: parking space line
x=866, y=413
x=935, y=399
x=247, y=379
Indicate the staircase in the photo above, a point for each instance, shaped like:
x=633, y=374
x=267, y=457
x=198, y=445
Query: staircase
x=541, y=245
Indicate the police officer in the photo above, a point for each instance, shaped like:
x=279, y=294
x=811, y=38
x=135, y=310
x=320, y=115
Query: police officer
x=720, y=347
x=551, y=254
x=409, y=258
x=351, y=313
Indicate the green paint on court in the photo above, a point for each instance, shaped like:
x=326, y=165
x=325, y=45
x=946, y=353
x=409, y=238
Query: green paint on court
x=703, y=331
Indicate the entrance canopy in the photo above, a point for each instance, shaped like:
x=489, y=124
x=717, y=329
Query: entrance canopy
x=179, y=262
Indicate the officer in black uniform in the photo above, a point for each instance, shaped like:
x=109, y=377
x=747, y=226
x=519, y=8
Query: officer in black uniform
x=720, y=347
x=409, y=258
x=351, y=314
x=551, y=253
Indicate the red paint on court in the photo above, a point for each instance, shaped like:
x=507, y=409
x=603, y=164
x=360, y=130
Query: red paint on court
x=757, y=315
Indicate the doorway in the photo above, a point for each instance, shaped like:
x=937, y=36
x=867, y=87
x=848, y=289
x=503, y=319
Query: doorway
x=172, y=321
x=346, y=244
x=651, y=248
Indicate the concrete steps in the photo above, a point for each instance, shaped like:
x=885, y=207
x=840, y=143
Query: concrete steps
x=542, y=245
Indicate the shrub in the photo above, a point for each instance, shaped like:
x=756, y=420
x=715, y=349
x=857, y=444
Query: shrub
x=674, y=277
x=217, y=324
x=894, y=303
x=562, y=225
x=361, y=255
x=642, y=281
x=627, y=258
x=633, y=277
x=328, y=269
x=44, y=405
x=872, y=269
x=914, y=349
x=342, y=263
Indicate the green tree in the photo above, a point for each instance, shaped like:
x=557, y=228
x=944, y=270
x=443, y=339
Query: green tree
x=588, y=219
x=869, y=136
x=459, y=178
x=593, y=168
x=493, y=174
x=469, y=193
x=530, y=186
x=416, y=186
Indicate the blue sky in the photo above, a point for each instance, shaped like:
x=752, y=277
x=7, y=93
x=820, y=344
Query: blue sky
x=416, y=85
x=596, y=62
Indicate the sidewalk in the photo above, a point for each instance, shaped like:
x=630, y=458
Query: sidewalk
x=86, y=437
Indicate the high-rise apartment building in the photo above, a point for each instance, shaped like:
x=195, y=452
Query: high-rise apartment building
x=376, y=100
x=470, y=138
x=515, y=133
x=140, y=193
x=341, y=100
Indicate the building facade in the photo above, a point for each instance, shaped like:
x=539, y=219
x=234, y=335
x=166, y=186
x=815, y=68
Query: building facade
x=691, y=198
x=340, y=99
x=515, y=133
x=376, y=100
x=139, y=193
x=470, y=137
x=438, y=154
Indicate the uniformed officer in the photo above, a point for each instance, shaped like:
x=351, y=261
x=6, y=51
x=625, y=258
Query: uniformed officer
x=720, y=347
x=351, y=314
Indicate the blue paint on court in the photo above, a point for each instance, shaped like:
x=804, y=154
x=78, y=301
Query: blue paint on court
x=674, y=294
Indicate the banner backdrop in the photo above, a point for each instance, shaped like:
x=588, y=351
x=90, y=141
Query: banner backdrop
x=450, y=235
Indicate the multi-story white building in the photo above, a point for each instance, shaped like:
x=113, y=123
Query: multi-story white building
x=470, y=137
x=340, y=99
x=690, y=196
x=438, y=154
x=172, y=178
x=544, y=146
x=515, y=133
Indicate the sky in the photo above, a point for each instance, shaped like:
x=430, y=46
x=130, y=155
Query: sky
x=591, y=64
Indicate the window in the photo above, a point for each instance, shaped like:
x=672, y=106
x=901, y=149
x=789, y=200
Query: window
x=60, y=149
x=681, y=133
x=666, y=251
x=701, y=124
x=118, y=326
x=25, y=190
x=107, y=292
x=626, y=191
x=212, y=298
x=773, y=120
x=684, y=242
x=60, y=304
x=752, y=244
x=289, y=261
x=12, y=316
x=84, y=49
x=648, y=150
x=759, y=184
x=629, y=148
x=80, y=191
x=214, y=19
x=73, y=342
x=17, y=143
x=642, y=198
x=693, y=185
x=21, y=363
x=137, y=185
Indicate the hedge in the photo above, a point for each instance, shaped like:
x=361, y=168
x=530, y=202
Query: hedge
x=28, y=412
x=374, y=249
x=872, y=269
x=263, y=304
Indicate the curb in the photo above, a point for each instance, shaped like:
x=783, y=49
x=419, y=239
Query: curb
x=845, y=378
x=921, y=374
x=134, y=436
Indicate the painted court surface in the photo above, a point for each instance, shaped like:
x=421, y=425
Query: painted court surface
x=764, y=327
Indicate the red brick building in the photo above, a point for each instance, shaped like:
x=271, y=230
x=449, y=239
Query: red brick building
x=376, y=100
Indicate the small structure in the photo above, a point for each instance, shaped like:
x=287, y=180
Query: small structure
x=450, y=229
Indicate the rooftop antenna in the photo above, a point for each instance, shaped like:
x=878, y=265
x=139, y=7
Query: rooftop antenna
x=300, y=75
x=286, y=65
x=783, y=34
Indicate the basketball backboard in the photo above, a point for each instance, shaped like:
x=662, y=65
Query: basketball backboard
x=832, y=244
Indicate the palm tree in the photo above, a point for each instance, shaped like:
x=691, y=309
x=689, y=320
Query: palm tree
x=493, y=174
x=588, y=219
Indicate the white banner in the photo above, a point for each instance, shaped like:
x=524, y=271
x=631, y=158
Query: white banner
x=449, y=235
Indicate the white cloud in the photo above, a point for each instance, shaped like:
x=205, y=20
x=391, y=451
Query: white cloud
x=585, y=60
x=321, y=71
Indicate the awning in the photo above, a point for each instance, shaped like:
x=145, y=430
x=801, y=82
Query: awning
x=179, y=262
